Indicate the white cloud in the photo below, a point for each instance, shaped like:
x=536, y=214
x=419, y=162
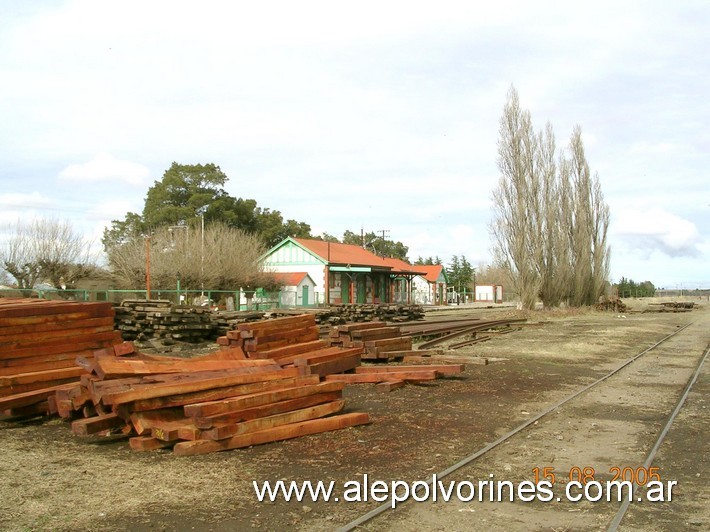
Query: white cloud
x=661, y=148
x=658, y=230
x=19, y=200
x=105, y=167
x=105, y=211
x=22, y=206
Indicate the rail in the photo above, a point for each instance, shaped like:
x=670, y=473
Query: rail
x=387, y=506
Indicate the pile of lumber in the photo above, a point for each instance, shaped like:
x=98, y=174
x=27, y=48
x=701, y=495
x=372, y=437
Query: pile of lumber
x=674, y=306
x=392, y=377
x=140, y=319
x=437, y=327
x=211, y=403
x=132, y=317
x=227, y=320
x=340, y=314
x=292, y=341
x=378, y=340
x=39, y=342
x=382, y=341
x=611, y=304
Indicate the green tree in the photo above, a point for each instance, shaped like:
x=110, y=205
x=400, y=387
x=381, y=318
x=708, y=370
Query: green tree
x=460, y=274
x=190, y=194
x=647, y=289
x=376, y=244
x=628, y=288
x=326, y=237
x=429, y=261
x=272, y=228
x=182, y=194
x=123, y=231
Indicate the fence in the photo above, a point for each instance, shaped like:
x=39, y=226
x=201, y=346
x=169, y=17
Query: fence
x=222, y=299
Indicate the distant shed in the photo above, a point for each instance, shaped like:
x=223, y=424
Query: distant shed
x=297, y=288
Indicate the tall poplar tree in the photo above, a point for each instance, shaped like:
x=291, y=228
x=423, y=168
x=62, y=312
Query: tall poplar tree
x=550, y=220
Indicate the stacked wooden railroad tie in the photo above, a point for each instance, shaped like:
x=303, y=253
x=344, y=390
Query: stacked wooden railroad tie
x=226, y=320
x=383, y=343
x=390, y=378
x=39, y=342
x=378, y=340
x=665, y=306
x=340, y=314
x=210, y=403
x=292, y=342
x=140, y=319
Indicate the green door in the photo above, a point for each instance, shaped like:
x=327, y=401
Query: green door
x=345, y=290
x=305, y=296
x=361, y=290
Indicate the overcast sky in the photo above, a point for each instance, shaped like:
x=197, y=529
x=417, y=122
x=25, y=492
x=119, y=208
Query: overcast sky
x=381, y=115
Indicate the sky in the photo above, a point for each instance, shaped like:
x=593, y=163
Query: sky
x=374, y=115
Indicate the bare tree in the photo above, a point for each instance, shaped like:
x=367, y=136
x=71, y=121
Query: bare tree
x=550, y=225
x=47, y=250
x=589, y=224
x=168, y=256
x=233, y=260
x=514, y=225
x=601, y=251
x=221, y=258
x=553, y=253
x=566, y=228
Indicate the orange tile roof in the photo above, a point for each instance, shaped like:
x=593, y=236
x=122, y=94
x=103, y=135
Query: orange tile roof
x=432, y=271
x=289, y=278
x=401, y=266
x=337, y=253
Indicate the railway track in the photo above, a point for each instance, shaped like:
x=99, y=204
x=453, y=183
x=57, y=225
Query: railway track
x=611, y=427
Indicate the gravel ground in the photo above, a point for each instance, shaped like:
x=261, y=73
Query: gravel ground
x=52, y=480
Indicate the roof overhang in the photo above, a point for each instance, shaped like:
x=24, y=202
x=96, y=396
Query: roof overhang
x=356, y=269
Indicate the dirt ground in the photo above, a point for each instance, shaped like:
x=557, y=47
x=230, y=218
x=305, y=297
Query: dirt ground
x=52, y=480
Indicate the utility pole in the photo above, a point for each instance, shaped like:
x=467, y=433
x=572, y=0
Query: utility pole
x=201, y=212
x=147, y=266
x=384, y=233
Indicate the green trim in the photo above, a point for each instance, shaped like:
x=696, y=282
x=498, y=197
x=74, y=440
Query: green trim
x=270, y=263
x=292, y=242
x=356, y=269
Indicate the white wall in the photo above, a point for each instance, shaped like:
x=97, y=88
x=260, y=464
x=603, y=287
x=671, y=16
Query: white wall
x=485, y=293
x=422, y=291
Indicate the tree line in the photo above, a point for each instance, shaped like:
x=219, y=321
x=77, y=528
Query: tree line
x=628, y=288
